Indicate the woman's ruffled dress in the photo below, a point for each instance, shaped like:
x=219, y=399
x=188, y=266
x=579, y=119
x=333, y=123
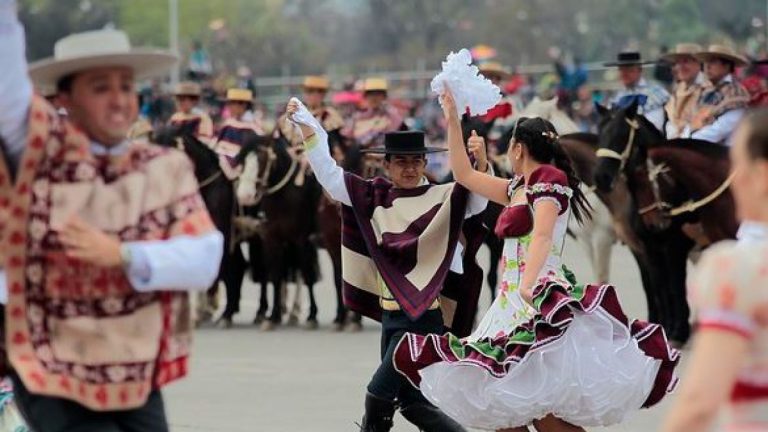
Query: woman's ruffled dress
x=573, y=354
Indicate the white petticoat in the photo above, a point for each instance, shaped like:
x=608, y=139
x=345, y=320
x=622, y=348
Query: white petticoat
x=594, y=375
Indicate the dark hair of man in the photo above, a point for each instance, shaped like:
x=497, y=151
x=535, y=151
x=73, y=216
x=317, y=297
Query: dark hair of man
x=64, y=85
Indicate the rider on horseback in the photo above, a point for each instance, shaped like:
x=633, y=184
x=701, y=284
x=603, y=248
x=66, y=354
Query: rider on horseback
x=721, y=105
x=501, y=117
x=651, y=97
x=689, y=84
x=189, y=116
x=368, y=126
x=236, y=130
x=315, y=89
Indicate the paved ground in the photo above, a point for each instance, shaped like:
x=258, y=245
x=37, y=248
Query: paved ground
x=293, y=380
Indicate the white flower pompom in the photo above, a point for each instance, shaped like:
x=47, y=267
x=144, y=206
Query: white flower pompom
x=470, y=89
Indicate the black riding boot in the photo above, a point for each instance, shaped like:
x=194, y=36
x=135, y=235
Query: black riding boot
x=429, y=418
x=378, y=414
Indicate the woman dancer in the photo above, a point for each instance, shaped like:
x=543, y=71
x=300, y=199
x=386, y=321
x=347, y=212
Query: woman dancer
x=549, y=352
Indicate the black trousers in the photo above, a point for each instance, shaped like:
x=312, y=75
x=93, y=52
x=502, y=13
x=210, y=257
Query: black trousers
x=52, y=414
x=387, y=383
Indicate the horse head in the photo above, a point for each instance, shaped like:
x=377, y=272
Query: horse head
x=167, y=136
x=624, y=139
x=619, y=149
x=257, y=156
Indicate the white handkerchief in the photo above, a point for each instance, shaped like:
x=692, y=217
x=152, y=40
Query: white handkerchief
x=470, y=89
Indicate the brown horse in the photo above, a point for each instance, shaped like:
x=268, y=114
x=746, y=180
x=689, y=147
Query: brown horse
x=699, y=171
x=290, y=212
x=632, y=148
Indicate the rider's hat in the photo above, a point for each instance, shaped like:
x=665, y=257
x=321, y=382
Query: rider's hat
x=316, y=82
x=628, y=58
x=722, y=52
x=682, y=50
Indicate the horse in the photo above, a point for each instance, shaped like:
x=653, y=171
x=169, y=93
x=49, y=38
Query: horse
x=631, y=147
x=219, y=197
x=699, y=172
x=290, y=213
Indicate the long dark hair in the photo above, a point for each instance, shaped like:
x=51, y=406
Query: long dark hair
x=539, y=136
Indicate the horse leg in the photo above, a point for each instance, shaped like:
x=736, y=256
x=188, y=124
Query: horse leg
x=676, y=260
x=233, y=280
x=312, y=318
x=604, y=240
x=275, y=318
x=650, y=288
x=494, y=247
x=261, y=313
x=259, y=275
x=293, y=298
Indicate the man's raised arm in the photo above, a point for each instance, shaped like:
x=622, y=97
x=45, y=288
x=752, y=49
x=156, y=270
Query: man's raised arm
x=15, y=86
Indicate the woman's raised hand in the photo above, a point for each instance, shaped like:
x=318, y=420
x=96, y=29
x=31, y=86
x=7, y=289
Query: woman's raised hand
x=449, y=105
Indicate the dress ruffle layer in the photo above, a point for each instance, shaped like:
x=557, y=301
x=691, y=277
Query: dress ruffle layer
x=579, y=358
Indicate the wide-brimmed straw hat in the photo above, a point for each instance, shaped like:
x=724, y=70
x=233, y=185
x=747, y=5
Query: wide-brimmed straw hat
x=404, y=143
x=375, y=84
x=187, y=88
x=239, y=95
x=682, y=50
x=628, y=58
x=494, y=68
x=722, y=52
x=99, y=48
x=316, y=82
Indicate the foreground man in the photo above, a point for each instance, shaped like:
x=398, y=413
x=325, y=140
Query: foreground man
x=402, y=236
x=101, y=237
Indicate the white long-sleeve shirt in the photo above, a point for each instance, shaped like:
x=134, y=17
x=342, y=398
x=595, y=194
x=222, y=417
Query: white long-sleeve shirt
x=750, y=232
x=181, y=263
x=720, y=130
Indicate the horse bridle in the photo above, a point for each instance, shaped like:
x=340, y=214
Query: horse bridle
x=654, y=171
x=624, y=156
x=262, y=183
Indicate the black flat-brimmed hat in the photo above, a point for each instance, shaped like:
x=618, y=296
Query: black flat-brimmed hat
x=404, y=143
x=628, y=58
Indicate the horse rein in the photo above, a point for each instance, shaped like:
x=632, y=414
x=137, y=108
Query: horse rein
x=622, y=157
x=262, y=182
x=689, y=206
